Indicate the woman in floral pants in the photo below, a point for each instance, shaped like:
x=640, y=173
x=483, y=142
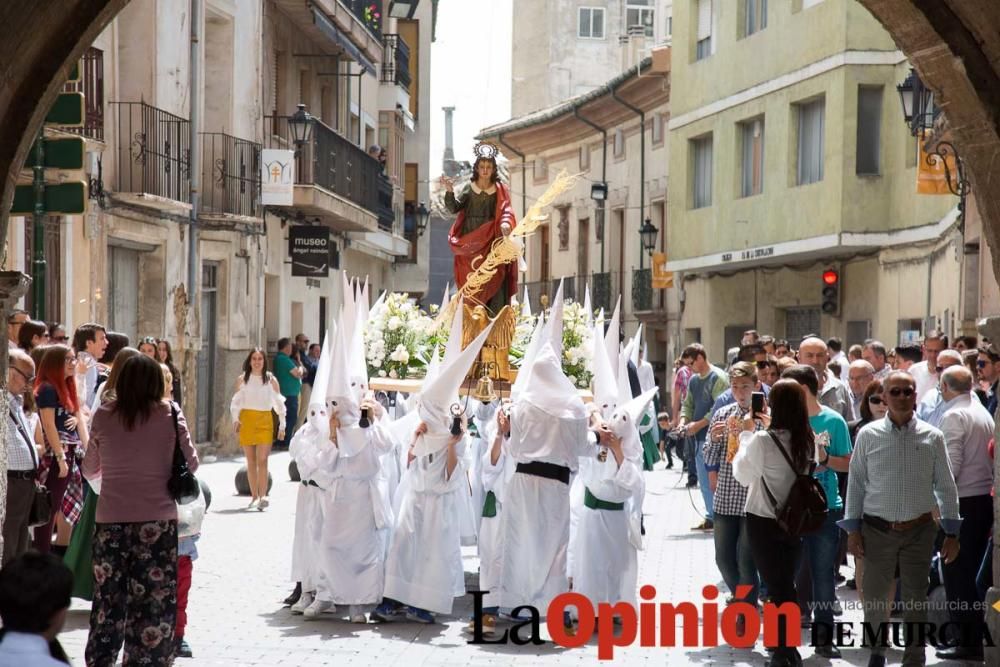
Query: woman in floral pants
x=135, y=536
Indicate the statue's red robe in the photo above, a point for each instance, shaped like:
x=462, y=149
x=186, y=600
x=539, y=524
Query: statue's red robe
x=471, y=249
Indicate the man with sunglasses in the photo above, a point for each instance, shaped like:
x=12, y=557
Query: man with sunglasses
x=22, y=459
x=899, y=474
x=986, y=365
x=931, y=408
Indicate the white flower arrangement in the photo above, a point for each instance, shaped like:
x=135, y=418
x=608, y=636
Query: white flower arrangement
x=396, y=336
x=578, y=345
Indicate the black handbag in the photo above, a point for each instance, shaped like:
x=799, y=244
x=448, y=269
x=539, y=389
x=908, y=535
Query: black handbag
x=182, y=485
x=40, y=512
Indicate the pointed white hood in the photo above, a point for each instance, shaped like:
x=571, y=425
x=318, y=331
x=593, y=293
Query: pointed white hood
x=549, y=390
x=349, y=308
x=433, y=366
x=345, y=393
x=624, y=386
x=636, y=346
x=611, y=337
x=438, y=395
x=554, y=325
x=526, y=304
x=588, y=309
x=444, y=298
x=625, y=421
x=530, y=352
x=605, y=382
x=454, y=346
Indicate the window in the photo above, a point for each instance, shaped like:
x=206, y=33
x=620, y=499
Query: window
x=540, y=170
x=755, y=16
x=657, y=130
x=869, y=130
x=810, y=144
x=752, y=159
x=701, y=152
x=703, y=48
x=670, y=26
x=806, y=4
x=584, y=157
x=639, y=14
x=591, y=23
x=619, y=143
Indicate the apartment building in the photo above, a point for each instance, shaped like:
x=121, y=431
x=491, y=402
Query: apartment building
x=791, y=158
x=361, y=70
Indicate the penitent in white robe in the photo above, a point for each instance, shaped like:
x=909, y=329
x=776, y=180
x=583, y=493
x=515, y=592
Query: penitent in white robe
x=603, y=560
x=424, y=566
x=308, y=512
x=535, y=515
x=494, y=479
x=357, y=516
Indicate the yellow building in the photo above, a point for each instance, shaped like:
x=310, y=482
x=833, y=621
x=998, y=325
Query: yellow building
x=791, y=158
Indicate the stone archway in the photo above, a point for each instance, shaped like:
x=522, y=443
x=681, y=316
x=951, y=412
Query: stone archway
x=41, y=42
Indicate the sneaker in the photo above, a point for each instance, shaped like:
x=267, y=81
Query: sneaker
x=262, y=504
x=305, y=600
x=384, y=612
x=419, y=615
x=317, y=608
x=183, y=649
x=252, y=504
x=356, y=615
x=705, y=525
x=489, y=624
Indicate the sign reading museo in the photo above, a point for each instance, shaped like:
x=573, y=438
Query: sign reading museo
x=309, y=249
x=277, y=177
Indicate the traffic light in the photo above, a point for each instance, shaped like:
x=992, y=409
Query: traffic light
x=831, y=292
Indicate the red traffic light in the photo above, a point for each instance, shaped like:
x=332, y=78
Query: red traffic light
x=830, y=277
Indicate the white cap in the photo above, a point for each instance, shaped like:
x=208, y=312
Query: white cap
x=549, y=390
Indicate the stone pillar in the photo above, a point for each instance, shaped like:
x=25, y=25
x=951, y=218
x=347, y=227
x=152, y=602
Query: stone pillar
x=13, y=285
x=990, y=328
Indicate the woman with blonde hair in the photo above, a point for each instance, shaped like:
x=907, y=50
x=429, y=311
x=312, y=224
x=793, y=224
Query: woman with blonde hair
x=257, y=396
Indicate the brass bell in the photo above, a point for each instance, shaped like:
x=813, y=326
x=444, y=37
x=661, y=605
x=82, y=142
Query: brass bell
x=484, y=389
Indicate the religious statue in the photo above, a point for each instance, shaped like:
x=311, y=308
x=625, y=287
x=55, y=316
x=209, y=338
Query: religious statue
x=484, y=215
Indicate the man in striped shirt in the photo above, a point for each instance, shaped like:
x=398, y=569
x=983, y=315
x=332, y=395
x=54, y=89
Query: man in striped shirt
x=899, y=473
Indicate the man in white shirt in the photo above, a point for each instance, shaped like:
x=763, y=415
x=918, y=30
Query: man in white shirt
x=35, y=594
x=22, y=459
x=967, y=428
x=925, y=372
x=931, y=408
x=836, y=352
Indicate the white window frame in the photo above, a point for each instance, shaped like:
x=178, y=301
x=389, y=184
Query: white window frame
x=754, y=16
x=751, y=161
x=656, y=133
x=704, y=16
x=618, y=145
x=808, y=170
x=593, y=13
x=641, y=8
x=701, y=165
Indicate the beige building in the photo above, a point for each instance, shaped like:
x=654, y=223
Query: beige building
x=592, y=243
x=125, y=261
x=790, y=158
x=565, y=48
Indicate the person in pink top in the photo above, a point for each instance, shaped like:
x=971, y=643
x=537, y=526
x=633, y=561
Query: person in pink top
x=135, y=538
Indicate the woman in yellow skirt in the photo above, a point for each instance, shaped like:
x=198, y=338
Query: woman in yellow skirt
x=257, y=396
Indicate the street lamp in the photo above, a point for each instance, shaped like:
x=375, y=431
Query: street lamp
x=917, y=99
x=300, y=125
x=403, y=9
x=647, y=235
x=423, y=218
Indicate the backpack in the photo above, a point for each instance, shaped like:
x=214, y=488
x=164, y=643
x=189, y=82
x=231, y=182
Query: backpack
x=805, y=508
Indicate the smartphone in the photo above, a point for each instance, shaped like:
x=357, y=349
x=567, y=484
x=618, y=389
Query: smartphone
x=756, y=403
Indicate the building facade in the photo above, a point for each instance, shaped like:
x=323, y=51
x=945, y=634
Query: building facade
x=791, y=158
x=361, y=70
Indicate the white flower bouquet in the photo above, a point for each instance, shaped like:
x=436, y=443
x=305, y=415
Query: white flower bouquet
x=396, y=337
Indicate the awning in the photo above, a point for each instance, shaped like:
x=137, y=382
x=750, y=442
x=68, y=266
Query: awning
x=327, y=27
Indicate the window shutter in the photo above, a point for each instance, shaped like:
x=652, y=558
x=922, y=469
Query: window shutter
x=704, y=19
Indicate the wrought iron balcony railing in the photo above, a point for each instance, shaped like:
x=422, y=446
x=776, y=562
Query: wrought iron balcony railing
x=642, y=290
x=396, y=61
x=332, y=162
x=230, y=175
x=91, y=84
x=153, y=149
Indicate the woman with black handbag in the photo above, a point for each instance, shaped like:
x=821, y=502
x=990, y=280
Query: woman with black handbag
x=759, y=463
x=133, y=448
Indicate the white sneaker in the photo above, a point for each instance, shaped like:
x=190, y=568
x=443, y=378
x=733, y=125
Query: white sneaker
x=252, y=504
x=317, y=608
x=305, y=600
x=356, y=614
x=262, y=504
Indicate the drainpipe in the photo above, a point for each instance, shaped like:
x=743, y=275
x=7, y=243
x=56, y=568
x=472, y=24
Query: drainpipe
x=642, y=162
x=604, y=173
x=524, y=173
x=194, y=161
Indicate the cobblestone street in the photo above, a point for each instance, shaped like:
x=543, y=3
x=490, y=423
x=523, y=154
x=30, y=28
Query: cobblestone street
x=236, y=617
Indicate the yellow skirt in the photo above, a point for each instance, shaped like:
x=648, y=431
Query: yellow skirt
x=256, y=427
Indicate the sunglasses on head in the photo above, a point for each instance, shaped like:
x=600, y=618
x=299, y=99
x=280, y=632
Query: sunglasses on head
x=875, y=400
x=896, y=391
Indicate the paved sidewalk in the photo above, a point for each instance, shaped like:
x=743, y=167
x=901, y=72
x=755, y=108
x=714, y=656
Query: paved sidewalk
x=236, y=617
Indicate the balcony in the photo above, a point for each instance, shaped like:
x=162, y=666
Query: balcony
x=230, y=176
x=91, y=84
x=396, y=61
x=369, y=13
x=335, y=180
x=152, y=153
x=642, y=290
